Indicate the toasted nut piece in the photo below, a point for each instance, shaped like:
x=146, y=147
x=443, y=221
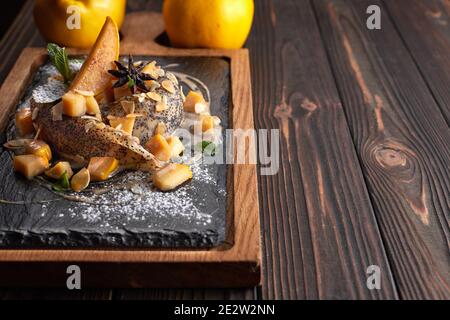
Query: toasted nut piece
x=158, y=146
x=171, y=176
x=154, y=96
x=39, y=148
x=30, y=165
x=152, y=84
x=171, y=77
x=24, y=121
x=125, y=124
x=92, y=106
x=161, y=106
x=152, y=70
x=160, y=129
x=168, y=85
x=127, y=106
x=74, y=104
x=207, y=122
x=100, y=168
x=58, y=170
x=192, y=99
x=80, y=180
x=176, y=145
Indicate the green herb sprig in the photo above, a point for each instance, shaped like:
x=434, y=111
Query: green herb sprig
x=62, y=184
x=58, y=56
x=207, y=147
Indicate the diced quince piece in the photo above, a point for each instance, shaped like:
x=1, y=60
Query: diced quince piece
x=39, y=148
x=94, y=75
x=30, y=165
x=194, y=102
x=24, y=121
x=171, y=176
x=158, y=146
x=100, y=168
x=126, y=123
x=92, y=106
x=176, y=145
x=58, y=170
x=80, y=180
x=207, y=122
x=74, y=104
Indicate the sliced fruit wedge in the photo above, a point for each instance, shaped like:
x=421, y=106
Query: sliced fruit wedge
x=100, y=168
x=94, y=75
x=80, y=180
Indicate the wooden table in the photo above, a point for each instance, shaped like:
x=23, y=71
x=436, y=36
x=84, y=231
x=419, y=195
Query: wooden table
x=364, y=173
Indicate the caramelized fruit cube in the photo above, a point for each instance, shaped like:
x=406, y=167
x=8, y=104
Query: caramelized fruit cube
x=30, y=165
x=80, y=180
x=171, y=176
x=24, y=121
x=126, y=123
x=207, y=122
x=100, y=168
x=176, y=145
x=92, y=106
x=74, y=104
x=158, y=146
x=39, y=148
x=58, y=170
x=194, y=102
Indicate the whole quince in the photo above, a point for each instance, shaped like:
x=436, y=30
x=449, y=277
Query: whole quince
x=76, y=23
x=208, y=23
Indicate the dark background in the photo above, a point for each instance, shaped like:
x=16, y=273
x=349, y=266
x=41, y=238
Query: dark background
x=8, y=13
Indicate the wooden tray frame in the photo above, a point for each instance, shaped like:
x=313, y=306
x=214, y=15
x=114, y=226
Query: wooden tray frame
x=234, y=264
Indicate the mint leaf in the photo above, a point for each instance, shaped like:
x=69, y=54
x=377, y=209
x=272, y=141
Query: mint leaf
x=208, y=147
x=58, y=56
x=62, y=183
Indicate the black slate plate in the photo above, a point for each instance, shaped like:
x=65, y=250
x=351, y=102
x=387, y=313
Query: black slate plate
x=192, y=216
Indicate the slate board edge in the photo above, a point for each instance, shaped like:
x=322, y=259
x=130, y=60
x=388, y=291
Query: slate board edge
x=79, y=239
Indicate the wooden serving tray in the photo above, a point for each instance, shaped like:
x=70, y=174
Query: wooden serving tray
x=235, y=263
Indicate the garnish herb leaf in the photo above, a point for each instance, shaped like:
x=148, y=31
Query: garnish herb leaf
x=208, y=147
x=62, y=183
x=58, y=56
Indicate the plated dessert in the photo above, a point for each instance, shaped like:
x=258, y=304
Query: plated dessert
x=110, y=116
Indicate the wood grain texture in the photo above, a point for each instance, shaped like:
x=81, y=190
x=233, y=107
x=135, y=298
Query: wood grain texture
x=55, y=294
x=234, y=264
x=320, y=233
x=425, y=28
x=402, y=141
x=186, y=294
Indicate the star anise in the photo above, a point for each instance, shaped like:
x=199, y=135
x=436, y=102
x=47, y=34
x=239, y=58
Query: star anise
x=132, y=76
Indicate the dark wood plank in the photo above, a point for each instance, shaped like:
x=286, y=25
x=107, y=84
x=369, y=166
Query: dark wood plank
x=55, y=294
x=402, y=141
x=22, y=33
x=319, y=228
x=186, y=294
x=425, y=28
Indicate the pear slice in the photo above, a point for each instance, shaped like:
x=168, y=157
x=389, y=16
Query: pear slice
x=94, y=75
